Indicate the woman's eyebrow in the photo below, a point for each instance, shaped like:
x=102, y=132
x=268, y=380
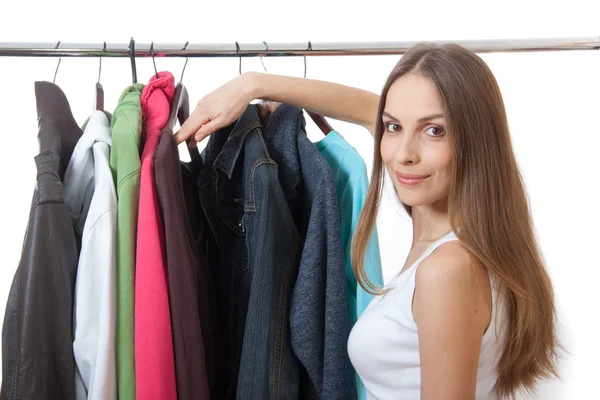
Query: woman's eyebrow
x=422, y=119
x=431, y=116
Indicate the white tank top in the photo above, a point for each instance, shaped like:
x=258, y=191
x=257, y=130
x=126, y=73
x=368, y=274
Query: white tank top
x=384, y=346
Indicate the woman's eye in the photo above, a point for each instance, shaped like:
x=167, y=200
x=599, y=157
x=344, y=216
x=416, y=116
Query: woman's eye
x=393, y=127
x=435, y=131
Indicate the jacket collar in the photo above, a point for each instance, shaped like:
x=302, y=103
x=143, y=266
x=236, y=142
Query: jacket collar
x=234, y=142
x=282, y=131
x=79, y=176
x=58, y=130
x=156, y=102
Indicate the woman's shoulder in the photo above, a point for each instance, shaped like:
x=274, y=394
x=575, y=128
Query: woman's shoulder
x=449, y=262
x=450, y=276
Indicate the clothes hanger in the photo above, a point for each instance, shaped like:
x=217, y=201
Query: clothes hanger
x=99, y=88
x=52, y=102
x=319, y=120
x=57, y=65
x=186, y=61
x=153, y=61
x=261, y=57
x=180, y=111
x=131, y=51
x=239, y=53
x=263, y=107
x=180, y=103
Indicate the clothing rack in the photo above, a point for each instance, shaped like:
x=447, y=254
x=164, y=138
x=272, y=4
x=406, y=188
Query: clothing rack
x=264, y=49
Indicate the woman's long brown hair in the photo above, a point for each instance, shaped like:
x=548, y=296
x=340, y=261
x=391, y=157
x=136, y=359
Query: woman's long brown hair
x=487, y=201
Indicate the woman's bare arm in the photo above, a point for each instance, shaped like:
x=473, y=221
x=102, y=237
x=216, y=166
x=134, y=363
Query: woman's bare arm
x=329, y=99
x=227, y=103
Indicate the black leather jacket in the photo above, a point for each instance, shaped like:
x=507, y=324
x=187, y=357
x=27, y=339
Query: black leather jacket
x=37, y=337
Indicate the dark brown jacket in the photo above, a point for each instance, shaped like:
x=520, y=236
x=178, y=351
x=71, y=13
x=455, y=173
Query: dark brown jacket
x=186, y=287
x=37, y=338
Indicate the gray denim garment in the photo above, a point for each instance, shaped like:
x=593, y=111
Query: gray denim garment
x=319, y=314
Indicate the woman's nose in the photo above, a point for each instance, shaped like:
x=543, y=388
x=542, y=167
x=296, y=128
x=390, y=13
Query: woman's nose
x=408, y=151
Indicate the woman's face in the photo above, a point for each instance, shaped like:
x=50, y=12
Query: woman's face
x=414, y=147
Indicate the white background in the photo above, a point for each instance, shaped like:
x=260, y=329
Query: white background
x=552, y=100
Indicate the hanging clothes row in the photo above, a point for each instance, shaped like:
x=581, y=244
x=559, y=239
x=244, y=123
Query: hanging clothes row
x=146, y=277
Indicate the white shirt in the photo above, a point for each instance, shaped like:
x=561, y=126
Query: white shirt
x=384, y=344
x=92, y=203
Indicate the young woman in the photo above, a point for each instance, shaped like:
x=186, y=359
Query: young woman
x=471, y=315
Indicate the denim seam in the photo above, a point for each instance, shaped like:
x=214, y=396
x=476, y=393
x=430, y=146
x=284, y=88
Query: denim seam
x=251, y=206
x=281, y=324
x=242, y=140
x=265, y=148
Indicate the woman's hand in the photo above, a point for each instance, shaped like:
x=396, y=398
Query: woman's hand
x=218, y=109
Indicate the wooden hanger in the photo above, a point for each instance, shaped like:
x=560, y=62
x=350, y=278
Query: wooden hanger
x=180, y=111
x=321, y=122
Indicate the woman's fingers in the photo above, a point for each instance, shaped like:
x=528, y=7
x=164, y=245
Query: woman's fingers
x=216, y=110
x=208, y=129
x=191, y=125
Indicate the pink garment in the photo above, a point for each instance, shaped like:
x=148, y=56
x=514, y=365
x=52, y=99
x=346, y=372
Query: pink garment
x=154, y=360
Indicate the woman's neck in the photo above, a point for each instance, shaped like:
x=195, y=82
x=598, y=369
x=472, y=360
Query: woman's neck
x=430, y=221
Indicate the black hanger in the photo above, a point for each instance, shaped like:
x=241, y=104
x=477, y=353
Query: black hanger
x=180, y=111
x=180, y=103
x=131, y=51
x=153, y=62
x=180, y=106
x=186, y=61
x=99, y=88
x=239, y=53
x=57, y=65
x=319, y=120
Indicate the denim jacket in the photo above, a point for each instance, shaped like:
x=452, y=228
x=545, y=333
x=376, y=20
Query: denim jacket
x=318, y=311
x=258, y=250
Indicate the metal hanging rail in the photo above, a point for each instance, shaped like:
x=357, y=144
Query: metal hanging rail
x=16, y=49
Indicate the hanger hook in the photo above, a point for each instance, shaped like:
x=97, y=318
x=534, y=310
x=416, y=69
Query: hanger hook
x=186, y=61
x=153, y=62
x=308, y=49
x=239, y=53
x=100, y=65
x=131, y=51
x=261, y=57
x=57, y=65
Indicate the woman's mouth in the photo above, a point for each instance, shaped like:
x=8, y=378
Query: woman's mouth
x=409, y=179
